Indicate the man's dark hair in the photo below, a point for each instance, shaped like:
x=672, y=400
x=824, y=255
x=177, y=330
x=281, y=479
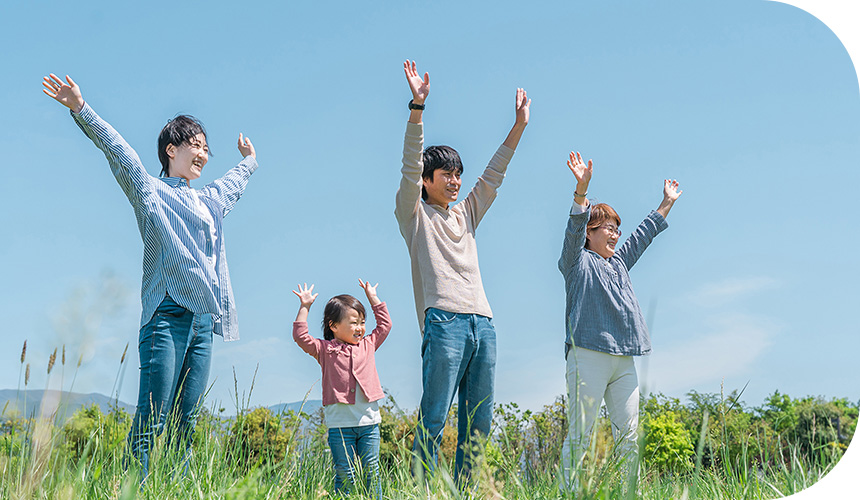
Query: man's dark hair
x=336, y=310
x=178, y=131
x=440, y=158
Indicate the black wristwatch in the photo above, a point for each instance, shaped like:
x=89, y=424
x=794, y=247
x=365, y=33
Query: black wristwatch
x=412, y=105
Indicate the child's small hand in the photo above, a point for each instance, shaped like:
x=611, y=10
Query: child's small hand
x=370, y=291
x=306, y=295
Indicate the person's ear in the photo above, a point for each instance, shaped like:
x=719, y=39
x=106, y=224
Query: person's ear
x=170, y=150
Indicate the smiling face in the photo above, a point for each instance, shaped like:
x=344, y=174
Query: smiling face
x=188, y=159
x=350, y=329
x=602, y=239
x=444, y=188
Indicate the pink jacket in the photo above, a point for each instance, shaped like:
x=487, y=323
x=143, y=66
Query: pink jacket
x=345, y=364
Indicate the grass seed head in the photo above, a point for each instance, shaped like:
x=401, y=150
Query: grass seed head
x=124, y=351
x=27, y=375
x=24, y=352
x=51, y=360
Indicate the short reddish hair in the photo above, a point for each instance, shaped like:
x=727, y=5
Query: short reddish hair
x=601, y=213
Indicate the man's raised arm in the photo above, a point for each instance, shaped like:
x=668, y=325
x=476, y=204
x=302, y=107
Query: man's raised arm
x=413, y=145
x=521, y=120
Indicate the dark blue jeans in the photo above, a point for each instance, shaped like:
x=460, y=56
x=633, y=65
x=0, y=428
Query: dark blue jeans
x=458, y=353
x=350, y=445
x=175, y=355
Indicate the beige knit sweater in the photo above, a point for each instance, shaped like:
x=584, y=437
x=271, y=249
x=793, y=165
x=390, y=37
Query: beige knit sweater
x=441, y=242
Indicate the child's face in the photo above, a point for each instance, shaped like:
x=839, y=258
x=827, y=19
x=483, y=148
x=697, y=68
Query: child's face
x=350, y=329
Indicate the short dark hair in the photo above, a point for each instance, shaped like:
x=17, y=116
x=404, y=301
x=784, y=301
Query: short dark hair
x=178, y=131
x=336, y=310
x=440, y=158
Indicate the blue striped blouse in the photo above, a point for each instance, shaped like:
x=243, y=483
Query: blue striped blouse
x=602, y=312
x=176, y=238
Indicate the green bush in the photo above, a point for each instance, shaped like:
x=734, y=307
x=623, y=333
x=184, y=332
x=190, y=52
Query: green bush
x=818, y=425
x=90, y=433
x=668, y=445
x=259, y=437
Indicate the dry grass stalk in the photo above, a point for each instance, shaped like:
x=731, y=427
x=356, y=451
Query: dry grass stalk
x=41, y=454
x=51, y=360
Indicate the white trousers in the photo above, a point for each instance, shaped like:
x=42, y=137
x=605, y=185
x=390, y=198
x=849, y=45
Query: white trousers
x=592, y=377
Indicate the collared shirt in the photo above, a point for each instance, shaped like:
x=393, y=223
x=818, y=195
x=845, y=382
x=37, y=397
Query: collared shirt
x=178, y=240
x=345, y=365
x=602, y=312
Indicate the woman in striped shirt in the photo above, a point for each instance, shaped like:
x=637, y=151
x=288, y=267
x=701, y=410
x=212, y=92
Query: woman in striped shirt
x=186, y=295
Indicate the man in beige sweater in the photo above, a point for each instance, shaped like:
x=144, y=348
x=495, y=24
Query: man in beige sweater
x=458, y=351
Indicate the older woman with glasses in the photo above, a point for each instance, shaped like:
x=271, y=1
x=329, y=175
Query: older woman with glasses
x=605, y=326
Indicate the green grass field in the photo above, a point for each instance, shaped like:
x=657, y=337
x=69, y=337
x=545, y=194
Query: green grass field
x=273, y=458
x=711, y=447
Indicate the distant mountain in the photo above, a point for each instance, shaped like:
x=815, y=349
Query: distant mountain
x=310, y=407
x=29, y=403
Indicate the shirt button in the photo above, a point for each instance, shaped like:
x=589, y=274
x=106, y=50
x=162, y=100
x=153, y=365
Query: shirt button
x=352, y=390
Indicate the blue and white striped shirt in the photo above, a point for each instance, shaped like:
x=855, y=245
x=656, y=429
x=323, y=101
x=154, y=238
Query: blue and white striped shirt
x=602, y=312
x=177, y=238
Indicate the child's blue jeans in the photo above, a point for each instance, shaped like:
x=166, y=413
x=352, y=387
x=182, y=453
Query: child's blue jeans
x=351, y=446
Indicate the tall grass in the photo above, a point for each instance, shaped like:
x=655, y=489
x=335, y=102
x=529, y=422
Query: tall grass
x=42, y=468
x=38, y=461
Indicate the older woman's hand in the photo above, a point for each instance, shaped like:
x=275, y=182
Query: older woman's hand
x=670, y=195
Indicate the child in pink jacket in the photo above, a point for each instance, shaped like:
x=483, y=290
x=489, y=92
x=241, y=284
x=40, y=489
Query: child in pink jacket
x=350, y=384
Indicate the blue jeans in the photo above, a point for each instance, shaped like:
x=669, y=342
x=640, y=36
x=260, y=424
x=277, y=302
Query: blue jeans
x=458, y=353
x=349, y=445
x=175, y=355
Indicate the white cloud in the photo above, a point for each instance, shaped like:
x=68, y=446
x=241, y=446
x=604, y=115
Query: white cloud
x=731, y=349
x=732, y=289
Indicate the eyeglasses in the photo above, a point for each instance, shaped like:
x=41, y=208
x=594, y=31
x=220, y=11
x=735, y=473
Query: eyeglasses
x=612, y=229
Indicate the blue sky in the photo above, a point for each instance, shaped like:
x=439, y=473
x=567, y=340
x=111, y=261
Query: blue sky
x=751, y=105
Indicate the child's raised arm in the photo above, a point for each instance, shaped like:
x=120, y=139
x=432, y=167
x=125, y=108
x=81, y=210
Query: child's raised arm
x=306, y=296
x=670, y=196
x=370, y=291
x=380, y=313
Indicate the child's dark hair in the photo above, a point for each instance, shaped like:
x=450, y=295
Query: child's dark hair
x=336, y=310
x=178, y=131
x=439, y=158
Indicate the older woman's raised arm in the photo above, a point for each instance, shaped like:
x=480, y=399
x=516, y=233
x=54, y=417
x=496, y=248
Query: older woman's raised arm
x=574, y=235
x=670, y=196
